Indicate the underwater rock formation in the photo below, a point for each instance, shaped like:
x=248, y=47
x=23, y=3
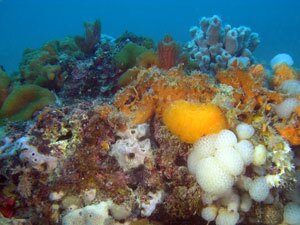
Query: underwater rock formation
x=215, y=46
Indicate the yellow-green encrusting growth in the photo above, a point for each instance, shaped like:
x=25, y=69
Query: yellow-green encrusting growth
x=23, y=101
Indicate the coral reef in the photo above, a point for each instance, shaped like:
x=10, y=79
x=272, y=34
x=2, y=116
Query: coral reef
x=131, y=135
x=215, y=47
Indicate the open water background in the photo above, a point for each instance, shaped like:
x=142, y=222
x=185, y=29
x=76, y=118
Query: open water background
x=31, y=23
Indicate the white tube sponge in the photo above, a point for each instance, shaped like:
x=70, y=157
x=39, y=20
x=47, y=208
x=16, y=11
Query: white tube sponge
x=232, y=201
x=253, y=41
x=227, y=218
x=291, y=87
x=203, y=148
x=209, y=213
x=225, y=138
x=212, y=178
x=244, y=131
x=246, y=203
x=259, y=189
x=291, y=214
x=214, y=30
x=285, y=108
x=230, y=160
x=260, y=155
x=231, y=42
x=282, y=58
x=246, y=150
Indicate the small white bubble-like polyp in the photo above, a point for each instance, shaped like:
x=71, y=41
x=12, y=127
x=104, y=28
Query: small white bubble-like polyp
x=244, y=131
x=212, y=178
x=225, y=138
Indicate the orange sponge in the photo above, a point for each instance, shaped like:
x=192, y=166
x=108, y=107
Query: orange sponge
x=190, y=121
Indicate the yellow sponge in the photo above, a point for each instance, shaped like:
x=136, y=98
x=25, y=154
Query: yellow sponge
x=190, y=121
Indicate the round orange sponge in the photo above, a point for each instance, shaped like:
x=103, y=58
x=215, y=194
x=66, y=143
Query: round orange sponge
x=190, y=121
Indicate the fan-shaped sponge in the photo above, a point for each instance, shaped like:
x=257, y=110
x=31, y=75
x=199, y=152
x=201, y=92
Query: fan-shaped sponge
x=190, y=121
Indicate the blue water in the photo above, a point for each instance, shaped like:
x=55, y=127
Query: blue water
x=30, y=23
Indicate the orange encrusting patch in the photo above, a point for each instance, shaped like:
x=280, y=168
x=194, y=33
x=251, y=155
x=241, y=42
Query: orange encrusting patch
x=248, y=84
x=149, y=94
x=190, y=121
x=250, y=81
x=282, y=73
x=292, y=134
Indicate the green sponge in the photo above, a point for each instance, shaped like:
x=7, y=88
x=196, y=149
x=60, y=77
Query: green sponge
x=23, y=101
x=128, y=55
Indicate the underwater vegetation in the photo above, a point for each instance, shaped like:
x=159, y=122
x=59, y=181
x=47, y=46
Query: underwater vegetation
x=102, y=130
x=87, y=44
